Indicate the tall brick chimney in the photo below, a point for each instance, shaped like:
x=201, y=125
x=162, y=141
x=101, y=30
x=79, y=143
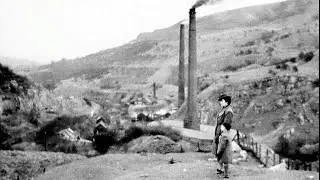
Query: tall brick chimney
x=181, y=78
x=191, y=121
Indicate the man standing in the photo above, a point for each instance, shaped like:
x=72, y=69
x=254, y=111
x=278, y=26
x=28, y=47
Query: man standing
x=225, y=115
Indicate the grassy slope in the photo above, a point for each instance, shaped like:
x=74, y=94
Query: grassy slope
x=216, y=47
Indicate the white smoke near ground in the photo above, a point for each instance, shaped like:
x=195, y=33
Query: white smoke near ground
x=162, y=75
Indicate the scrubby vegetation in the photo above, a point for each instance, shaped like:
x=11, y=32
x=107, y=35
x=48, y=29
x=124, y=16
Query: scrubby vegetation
x=110, y=137
x=236, y=67
x=17, y=127
x=306, y=57
x=302, y=146
x=248, y=44
x=11, y=82
x=48, y=133
x=266, y=36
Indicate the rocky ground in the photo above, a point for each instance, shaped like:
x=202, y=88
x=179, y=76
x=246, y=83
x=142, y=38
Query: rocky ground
x=26, y=165
x=169, y=166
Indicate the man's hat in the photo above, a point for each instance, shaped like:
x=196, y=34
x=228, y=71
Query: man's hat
x=224, y=96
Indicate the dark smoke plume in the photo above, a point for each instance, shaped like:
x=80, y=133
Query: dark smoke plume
x=203, y=2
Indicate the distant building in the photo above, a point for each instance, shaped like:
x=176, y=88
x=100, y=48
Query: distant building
x=69, y=134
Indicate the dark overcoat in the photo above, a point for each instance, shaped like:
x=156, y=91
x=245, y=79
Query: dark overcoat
x=225, y=115
x=224, y=152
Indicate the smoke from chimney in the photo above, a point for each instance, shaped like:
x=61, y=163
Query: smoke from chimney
x=203, y=2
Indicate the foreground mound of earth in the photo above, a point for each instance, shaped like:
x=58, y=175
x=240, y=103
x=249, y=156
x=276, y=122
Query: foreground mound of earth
x=154, y=144
x=26, y=164
x=159, y=166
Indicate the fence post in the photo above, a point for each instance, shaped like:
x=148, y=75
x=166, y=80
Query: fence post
x=294, y=164
x=267, y=154
x=260, y=157
x=238, y=136
x=247, y=142
x=280, y=159
x=252, y=142
x=305, y=166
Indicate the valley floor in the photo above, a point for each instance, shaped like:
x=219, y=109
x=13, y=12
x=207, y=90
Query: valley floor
x=156, y=166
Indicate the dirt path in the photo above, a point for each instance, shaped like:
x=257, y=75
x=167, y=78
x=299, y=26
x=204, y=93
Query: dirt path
x=187, y=166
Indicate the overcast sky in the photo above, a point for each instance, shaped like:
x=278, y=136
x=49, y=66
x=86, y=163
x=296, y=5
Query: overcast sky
x=45, y=30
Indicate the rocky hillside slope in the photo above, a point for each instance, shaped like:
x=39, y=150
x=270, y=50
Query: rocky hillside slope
x=266, y=57
x=288, y=28
x=257, y=37
x=25, y=107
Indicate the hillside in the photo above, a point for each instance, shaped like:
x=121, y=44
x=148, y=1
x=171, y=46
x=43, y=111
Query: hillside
x=256, y=35
x=266, y=57
x=161, y=45
x=18, y=63
x=25, y=107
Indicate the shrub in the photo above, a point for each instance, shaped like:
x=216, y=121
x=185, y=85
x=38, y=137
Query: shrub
x=164, y=131
x=131, y=133
x=278, y=66
x=294, y=147
x=246, y=52
x=204, y=85
x=315, y=83
x=103, y=141
x=272, y=72
x=4, y=135
x=285, y=36
x=7, y=75
x=230, y=68
x=301, y=55
x=308, y=56
x=266, y=36
x=236, y=67
x=49, y=85
x=269, y=50
x=293, y=59
x=134, y=132
x=249, y=43
x=33, y=116
x=284, y=66
x=294, y=68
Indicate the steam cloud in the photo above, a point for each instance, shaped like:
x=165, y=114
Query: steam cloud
x=203, y=2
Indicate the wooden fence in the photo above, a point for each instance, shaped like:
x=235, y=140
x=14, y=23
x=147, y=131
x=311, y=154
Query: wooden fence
x=269, y=158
